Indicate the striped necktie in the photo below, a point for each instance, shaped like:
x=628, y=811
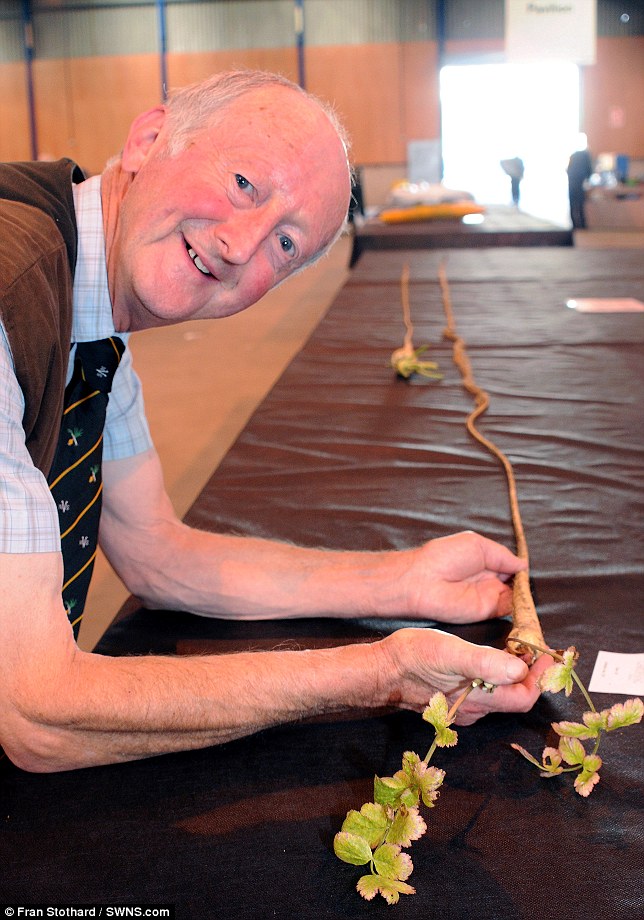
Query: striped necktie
x=75, y=478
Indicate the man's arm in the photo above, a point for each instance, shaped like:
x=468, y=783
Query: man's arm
x=61, y=708
x=169, y=565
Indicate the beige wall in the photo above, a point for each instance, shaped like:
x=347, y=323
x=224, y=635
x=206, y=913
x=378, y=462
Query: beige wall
x=613, y=97
x=385, y=93
x=14, y=113
x=85, y=105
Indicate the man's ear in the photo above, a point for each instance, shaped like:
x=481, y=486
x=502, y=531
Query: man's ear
x=143, y=132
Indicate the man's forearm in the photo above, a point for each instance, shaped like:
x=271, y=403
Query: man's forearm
x=169, y=565
x=249, y=578
x=106, y=710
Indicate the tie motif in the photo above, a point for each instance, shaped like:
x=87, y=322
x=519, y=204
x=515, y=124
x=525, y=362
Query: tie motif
x=75, y=477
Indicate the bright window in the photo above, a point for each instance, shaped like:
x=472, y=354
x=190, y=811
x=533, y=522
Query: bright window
x=492, y=112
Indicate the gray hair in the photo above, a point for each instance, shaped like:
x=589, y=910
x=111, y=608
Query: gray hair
x=190, y=108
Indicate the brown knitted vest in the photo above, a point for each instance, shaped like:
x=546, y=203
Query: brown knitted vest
x=38, y=239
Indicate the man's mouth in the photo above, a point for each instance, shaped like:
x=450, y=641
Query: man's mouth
x=196, y=261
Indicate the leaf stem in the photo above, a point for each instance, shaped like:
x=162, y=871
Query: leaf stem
x=576, y=679
x=450, y=715
x=430, y=753
x=537, y=648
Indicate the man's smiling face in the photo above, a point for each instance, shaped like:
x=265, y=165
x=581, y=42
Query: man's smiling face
x=207, y=231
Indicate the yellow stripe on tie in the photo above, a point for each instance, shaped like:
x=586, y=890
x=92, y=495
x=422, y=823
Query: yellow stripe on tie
x=83, y=512
x=116, y=352
x=74, y=465
x=81, y=570
x=81, y=401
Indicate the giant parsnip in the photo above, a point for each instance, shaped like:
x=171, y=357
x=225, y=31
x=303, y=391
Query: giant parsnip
x=525, y=621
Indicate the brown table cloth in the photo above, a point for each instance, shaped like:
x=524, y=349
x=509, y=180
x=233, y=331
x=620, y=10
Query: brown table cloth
x=342, y=453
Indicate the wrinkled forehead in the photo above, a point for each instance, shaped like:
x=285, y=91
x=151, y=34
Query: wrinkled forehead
x=285, y=113
x=293, y=127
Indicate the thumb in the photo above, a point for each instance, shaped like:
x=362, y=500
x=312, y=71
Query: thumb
x=495, y=666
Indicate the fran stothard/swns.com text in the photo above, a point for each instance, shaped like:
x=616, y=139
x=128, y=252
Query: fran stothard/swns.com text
x=22, y=911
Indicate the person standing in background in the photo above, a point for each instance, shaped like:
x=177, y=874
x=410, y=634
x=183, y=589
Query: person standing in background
x=514, y=169
x=580, y=168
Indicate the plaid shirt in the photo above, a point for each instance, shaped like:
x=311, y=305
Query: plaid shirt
x=28, y=517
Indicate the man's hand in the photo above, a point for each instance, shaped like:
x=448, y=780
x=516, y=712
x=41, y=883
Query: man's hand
x=460, y=579
x=417, y=662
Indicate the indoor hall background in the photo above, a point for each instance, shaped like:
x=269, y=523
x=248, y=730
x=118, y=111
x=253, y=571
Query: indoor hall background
x=95, y=64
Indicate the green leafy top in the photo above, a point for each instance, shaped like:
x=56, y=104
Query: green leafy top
x=437, y=714
x=559, y=676
x=416, y=781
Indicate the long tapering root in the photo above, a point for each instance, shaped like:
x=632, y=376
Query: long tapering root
x=526, y=627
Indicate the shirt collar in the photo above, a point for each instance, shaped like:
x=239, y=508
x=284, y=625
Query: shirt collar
x=92, y=315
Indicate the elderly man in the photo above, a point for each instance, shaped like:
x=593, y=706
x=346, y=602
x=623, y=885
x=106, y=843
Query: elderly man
x=216, y=198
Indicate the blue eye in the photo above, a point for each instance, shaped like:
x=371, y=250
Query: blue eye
x=242, y=182
x=286, y=244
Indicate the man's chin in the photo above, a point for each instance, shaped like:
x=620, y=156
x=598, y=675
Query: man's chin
x=143, y=317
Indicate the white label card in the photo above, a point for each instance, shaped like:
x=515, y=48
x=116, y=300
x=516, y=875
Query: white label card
x=606, y=305
x=616, y=672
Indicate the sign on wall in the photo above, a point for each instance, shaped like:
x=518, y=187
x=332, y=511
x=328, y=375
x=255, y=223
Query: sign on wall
x=546, y=29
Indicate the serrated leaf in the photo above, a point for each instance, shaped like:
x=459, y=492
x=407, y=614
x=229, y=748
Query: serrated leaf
x=370, y=822
x=370, y=885
x=551, y=762
x=410, y=796
x=436, y=712
x=390, y=862
x=407, y=825
x=588, y=778
x=430, y=782
x=410, y=762
x=572, y=751
x=596, y=721
x=446, y=737
x=575, y=730
x=351, y=848
x=559, y=676
x=423, y=781
x=622, y=714
x=388, y=789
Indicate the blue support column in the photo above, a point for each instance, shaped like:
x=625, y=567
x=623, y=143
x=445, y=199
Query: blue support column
x=28, y=50
x=163, y=49
x=298, y=14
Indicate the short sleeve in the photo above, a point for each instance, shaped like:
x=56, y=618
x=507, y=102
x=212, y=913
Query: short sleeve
x=126, y=428
x=28, y=516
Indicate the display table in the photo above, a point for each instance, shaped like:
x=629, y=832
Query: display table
x=342, y=453
x=619, y=207
x=498, y=226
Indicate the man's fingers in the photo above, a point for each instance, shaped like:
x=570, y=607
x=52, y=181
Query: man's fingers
x=495, y=666
x=513, y=697
x=504, y=603
x=499, y=559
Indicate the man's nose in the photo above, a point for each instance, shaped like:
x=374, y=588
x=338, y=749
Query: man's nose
x=243, y=234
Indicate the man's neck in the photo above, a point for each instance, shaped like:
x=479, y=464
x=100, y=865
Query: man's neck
x=115, y=183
